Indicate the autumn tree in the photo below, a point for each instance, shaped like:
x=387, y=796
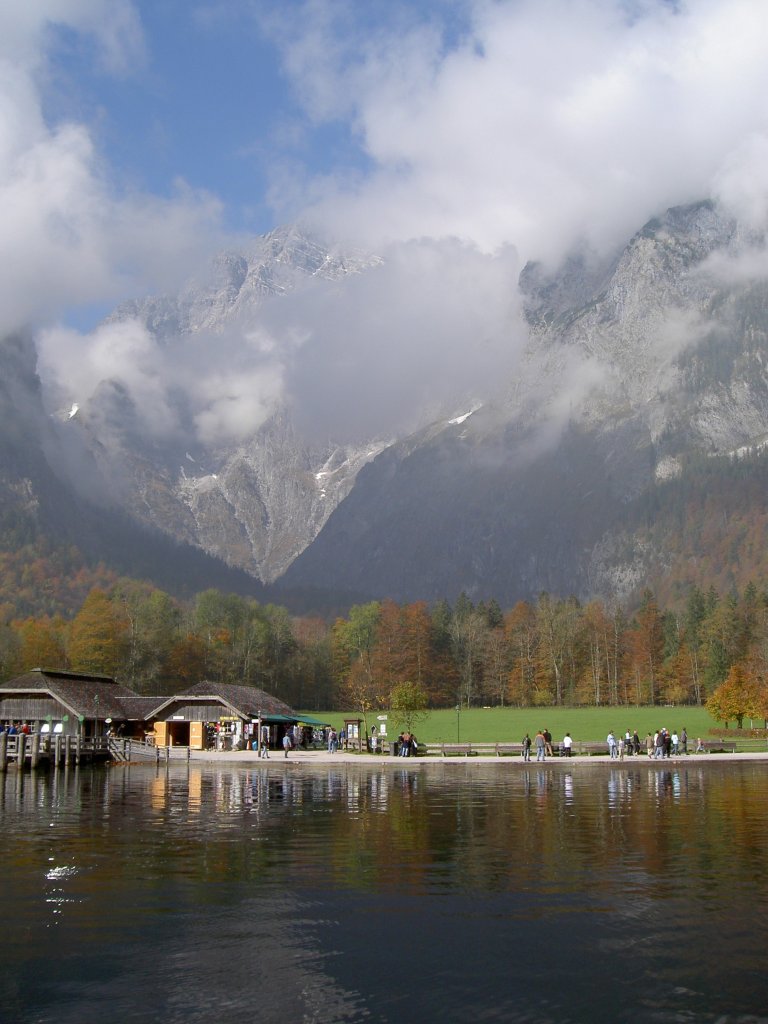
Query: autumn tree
x=738, y=697
x=41, y=644
x=556, y=649
x=98, y=636
x=646, y=643
x=389, y=654
x=186, y=663
x=496, y=661
x=312, y=682
x=408, y=704
x=520, y=628
x=353, y=642
x=468, y=629
x=153, y=619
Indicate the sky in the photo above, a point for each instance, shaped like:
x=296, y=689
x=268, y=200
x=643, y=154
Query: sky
x=139, y=137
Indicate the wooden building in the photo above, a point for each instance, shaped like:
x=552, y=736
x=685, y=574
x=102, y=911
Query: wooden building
x=69, y=703
x=207, y=715
x=220, y=714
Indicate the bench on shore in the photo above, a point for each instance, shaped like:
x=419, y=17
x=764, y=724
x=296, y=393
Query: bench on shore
x=452, y=749
x=713, y=746
x=508, y=748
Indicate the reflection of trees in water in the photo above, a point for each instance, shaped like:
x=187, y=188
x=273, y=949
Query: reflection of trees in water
x=452, y=827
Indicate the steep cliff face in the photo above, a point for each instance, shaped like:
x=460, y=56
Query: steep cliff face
x=255, y=503
x=269, y=498
x=635, y=364
x=274, y=265
x=677, y=330
x=656, y=355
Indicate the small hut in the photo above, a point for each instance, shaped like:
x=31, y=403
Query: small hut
x=221, y=715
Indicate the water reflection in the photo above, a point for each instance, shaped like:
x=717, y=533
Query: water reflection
x=387, y=894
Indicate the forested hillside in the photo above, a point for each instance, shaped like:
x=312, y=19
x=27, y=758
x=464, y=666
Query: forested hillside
x=553, y=651
x=707, y=527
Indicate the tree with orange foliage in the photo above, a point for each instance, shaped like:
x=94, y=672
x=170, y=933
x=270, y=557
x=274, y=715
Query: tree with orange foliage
x=740, y=696
x=98, y=636
x=186, y=663
x=646, y=645
x=41, y=644
x=520, y=628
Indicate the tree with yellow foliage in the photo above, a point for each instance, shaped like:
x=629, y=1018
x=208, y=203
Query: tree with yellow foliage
x=741, y=696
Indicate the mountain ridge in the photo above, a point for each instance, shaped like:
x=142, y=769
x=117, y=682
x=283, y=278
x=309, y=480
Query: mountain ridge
x=635, y=365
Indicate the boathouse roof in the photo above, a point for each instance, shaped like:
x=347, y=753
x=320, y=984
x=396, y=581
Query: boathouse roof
x=93, y=696
x=245, y=701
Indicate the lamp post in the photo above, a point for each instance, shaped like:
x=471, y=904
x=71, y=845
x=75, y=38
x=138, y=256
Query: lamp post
x=458, y=722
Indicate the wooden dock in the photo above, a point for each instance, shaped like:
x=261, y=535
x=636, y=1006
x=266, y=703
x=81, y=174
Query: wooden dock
x=36, y=751
x=33, y=750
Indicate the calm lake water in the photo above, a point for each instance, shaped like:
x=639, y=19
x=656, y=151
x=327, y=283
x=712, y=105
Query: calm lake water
x=444, y=893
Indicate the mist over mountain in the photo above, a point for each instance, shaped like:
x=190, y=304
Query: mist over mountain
x=493, y=429
x=635, y=367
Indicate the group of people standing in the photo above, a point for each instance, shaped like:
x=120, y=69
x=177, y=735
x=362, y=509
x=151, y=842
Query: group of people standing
x=667, y=744
x=542, y=741
x=662, y=743
x=407, y=745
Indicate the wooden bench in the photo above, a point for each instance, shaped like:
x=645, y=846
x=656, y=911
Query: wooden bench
x=456, y=749
x=591, y=748
x=710, y=746
x=508, y=748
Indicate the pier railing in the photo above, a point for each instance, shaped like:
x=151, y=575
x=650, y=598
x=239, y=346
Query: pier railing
x=144, y=750
x=37, y=748
x=33, y=749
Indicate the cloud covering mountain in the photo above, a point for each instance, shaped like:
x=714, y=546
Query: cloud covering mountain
x=478, y=136
x=435, y=156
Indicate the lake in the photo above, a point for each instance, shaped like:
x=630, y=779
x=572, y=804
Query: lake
x=445, y=892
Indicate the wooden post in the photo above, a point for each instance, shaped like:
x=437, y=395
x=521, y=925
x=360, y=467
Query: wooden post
x=3, y=751
x=157, y=755
x=21, y=749
x=35, y=757
x=67, y=749
x=57, y=750
x=77, y=749
x=167, y=754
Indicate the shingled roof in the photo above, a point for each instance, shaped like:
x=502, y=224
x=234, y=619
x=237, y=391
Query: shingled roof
x=247, y=701
x=93, y=696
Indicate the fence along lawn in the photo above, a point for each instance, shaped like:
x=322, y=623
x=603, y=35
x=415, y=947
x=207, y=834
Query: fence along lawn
x=492, y=725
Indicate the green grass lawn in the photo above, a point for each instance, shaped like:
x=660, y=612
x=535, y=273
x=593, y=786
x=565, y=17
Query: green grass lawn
x=491, y=725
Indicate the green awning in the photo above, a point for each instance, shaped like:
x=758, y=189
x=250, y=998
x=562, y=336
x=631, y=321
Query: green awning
x=308, y=720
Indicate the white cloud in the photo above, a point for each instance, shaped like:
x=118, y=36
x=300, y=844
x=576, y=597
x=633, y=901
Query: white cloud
x=491, y=132
x=547, y=123
x=121, y=352
x=433, y=327
x=67, y=236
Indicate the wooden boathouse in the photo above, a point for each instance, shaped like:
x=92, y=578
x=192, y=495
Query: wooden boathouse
x=220, y=714
x=54, y=715
x=68, y=703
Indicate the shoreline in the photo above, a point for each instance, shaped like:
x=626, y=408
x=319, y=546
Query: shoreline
x=323, y=757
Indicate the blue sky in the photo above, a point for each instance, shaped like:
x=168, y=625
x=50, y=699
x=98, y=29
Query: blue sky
x=204, y=99
x=140, y=137
x=499, y=122
x=205, y=96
